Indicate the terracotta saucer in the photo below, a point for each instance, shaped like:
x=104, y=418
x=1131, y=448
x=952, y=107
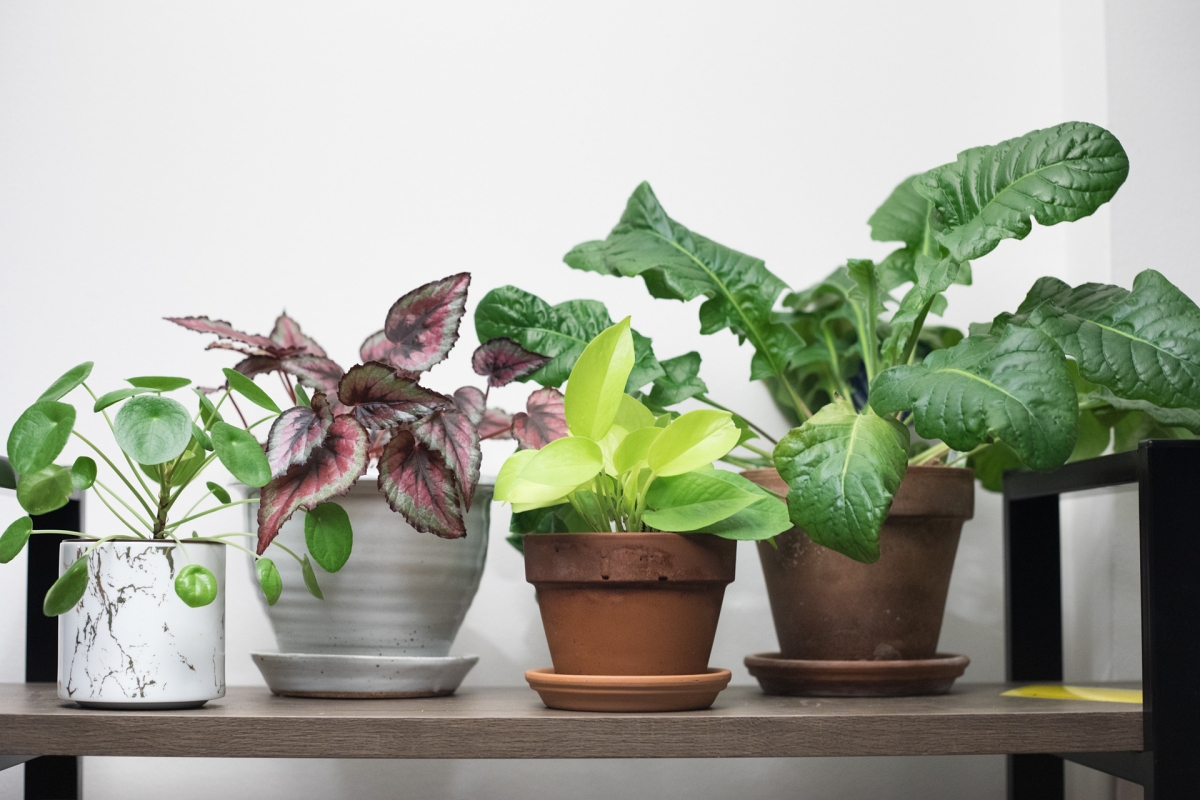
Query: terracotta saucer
x=778, y=675
x=628, y=692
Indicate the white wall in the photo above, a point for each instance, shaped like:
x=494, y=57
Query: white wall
x=232, y=159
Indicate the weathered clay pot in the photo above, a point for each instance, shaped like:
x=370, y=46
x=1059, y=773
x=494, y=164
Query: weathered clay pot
x=829, y=607
x=629, y=603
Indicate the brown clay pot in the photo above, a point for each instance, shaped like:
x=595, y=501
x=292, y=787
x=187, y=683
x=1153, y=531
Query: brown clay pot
x=629, y=603
x=827, y=606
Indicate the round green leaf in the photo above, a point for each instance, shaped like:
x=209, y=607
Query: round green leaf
x=14, y=538
x=114, y=397
x=249, y=389
x=45, y=490
x=158, y=383
x=241, y=454
x=328, y=536
x=67, y=590
x=196, y=585
x=39, y=435
x=218, y=492
x=83, y=473
x=310, y=578
x=152, y=429
x=269, y=580
x=72, y=378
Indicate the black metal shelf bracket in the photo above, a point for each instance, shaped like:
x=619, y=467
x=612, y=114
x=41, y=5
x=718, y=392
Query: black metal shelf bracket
x=1167, y=474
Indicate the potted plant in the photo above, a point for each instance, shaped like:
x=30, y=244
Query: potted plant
x=631, y=590
x=887, y=406
x=141, y=606
x=389, y=618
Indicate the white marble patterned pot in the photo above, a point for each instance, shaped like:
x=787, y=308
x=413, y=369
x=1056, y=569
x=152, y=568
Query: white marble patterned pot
x=402, y=593
x=131, y=642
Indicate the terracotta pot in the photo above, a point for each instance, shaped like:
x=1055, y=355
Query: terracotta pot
x=629, y=603
x=827, y=606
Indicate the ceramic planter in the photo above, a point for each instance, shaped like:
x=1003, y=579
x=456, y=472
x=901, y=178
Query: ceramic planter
x=828, y=607
x=131, y=642
x=629, y=604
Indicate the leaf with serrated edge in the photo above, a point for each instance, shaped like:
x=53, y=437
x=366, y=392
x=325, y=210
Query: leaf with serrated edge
x=287, y=334
x=296, y=432
x=542, y=422
x=316, y=372
x=419, y=485
x=842, y=470
x=331, y=469
x=496, y=424
x=503, y=361
x=222, y=329
x=382, y=399
x=423, y=324
x=452, y=435
x=680, y=380
x=472, y=402
x=1013, y=388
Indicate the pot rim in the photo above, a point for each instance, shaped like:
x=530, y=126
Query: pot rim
x=135, y=540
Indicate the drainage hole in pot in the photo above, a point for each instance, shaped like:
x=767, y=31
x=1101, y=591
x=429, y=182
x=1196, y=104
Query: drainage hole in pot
x=603, y=577
x=662, y=577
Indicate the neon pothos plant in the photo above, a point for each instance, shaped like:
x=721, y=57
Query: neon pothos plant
x=165, y=449
x=1071, y=371
x=426, y=444
x=621, y=468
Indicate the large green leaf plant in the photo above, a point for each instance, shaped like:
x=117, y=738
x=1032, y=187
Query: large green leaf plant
x=622, y=468
x=874, y=388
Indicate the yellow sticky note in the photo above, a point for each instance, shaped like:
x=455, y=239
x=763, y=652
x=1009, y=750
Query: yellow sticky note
x=1059, y=692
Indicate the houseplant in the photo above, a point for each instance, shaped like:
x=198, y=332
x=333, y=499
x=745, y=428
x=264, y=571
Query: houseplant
x=630, y=595
x=880, y=400
x=141, y=609
x=390, y=617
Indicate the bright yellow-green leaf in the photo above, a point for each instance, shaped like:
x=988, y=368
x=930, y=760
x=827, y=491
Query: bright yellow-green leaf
x=633, y=449
x=631, y=416
x=510, y=473
x=692, y=441
x=538, y=477
x=597, y=382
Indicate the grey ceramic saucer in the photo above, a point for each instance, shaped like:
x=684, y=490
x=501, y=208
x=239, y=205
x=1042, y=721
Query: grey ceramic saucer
x=317, y=675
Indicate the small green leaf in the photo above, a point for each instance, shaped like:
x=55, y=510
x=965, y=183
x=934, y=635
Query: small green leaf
x=302, y=396
x=67, y=383
x=83, y=473
x=196, y=585
x=68, y=590
x=45, y=490
x=218, y=492
x=183, y=468
x=241, y=454
x=12, y=542
x=152, y=429
x=268, y=579
x=693, y=501
x=764, y=519
x=250, y=390
x=201, y=437
x=328, y=535
x=159, y=383
x=695, y=440
x=114, y=397
x=8, y=478
x=39, y=435
x=681, y=380
x=209, y=415
x=597, y=382
x=310, y=578
x=633, y=449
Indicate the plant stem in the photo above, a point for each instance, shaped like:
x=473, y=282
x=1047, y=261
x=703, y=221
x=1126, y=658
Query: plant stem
x=967, y=454
x=932, y=454
x=120, y=474
x=910, y=346
x=164, y=505
x=741, y=463
x=835, y=368
x=242, y=416
x=80, y=534
x=221, y=507
x=124, y=522
x=703, y=398
x=287, y=384
x=763, y=453
x=121, y=500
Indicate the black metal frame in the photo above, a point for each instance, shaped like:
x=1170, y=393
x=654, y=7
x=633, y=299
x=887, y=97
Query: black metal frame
x=1167, y=474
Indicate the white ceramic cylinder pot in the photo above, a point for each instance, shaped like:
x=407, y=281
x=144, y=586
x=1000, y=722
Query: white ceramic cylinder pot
x=402, y=593
x=131, y=642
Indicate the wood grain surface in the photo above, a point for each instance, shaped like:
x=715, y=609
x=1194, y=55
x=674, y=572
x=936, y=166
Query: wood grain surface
x=512, y=723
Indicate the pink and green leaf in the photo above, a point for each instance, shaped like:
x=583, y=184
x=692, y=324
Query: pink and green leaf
x=452, y=435
x=420, y=486
x=287, y=334
x=543, y=422
x=423, y=325
x=257, y=365
x=296, y=433
x=496, y=424
x=470, y=401
x=314, y=372
x=331, y=469
x=222, y=329
x=382, y=399
x=503, y=361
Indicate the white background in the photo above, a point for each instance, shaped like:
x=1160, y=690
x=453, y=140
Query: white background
x=233, y=159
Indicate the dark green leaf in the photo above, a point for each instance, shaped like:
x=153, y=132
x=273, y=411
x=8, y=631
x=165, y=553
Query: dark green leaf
x=679, y=381
x=152, y=429
x=992, y=462
x=550, y=519
x=517, y=540
x=310, y=578
x=158, y=383
x=65, y=384
x=1137, y=426
x=1187, y=418
x=83, y=473
x=328, y=536
x=693, y=501
x=1054, y=175
x=12, y=542
x=842, y=470
x=218, y=492
x=8, y=478
x=115, y=396
x=269, y=580
x=932, y=278
x=250, y=390
x=1012, y=388
x=196, y=585
x=45, y=490
x=1094, y=437
x=39, y=435
x=68, y=590
x=241, y=454
x=761, y=520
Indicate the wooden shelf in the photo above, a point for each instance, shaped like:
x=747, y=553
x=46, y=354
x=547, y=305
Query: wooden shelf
x=512, y=723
